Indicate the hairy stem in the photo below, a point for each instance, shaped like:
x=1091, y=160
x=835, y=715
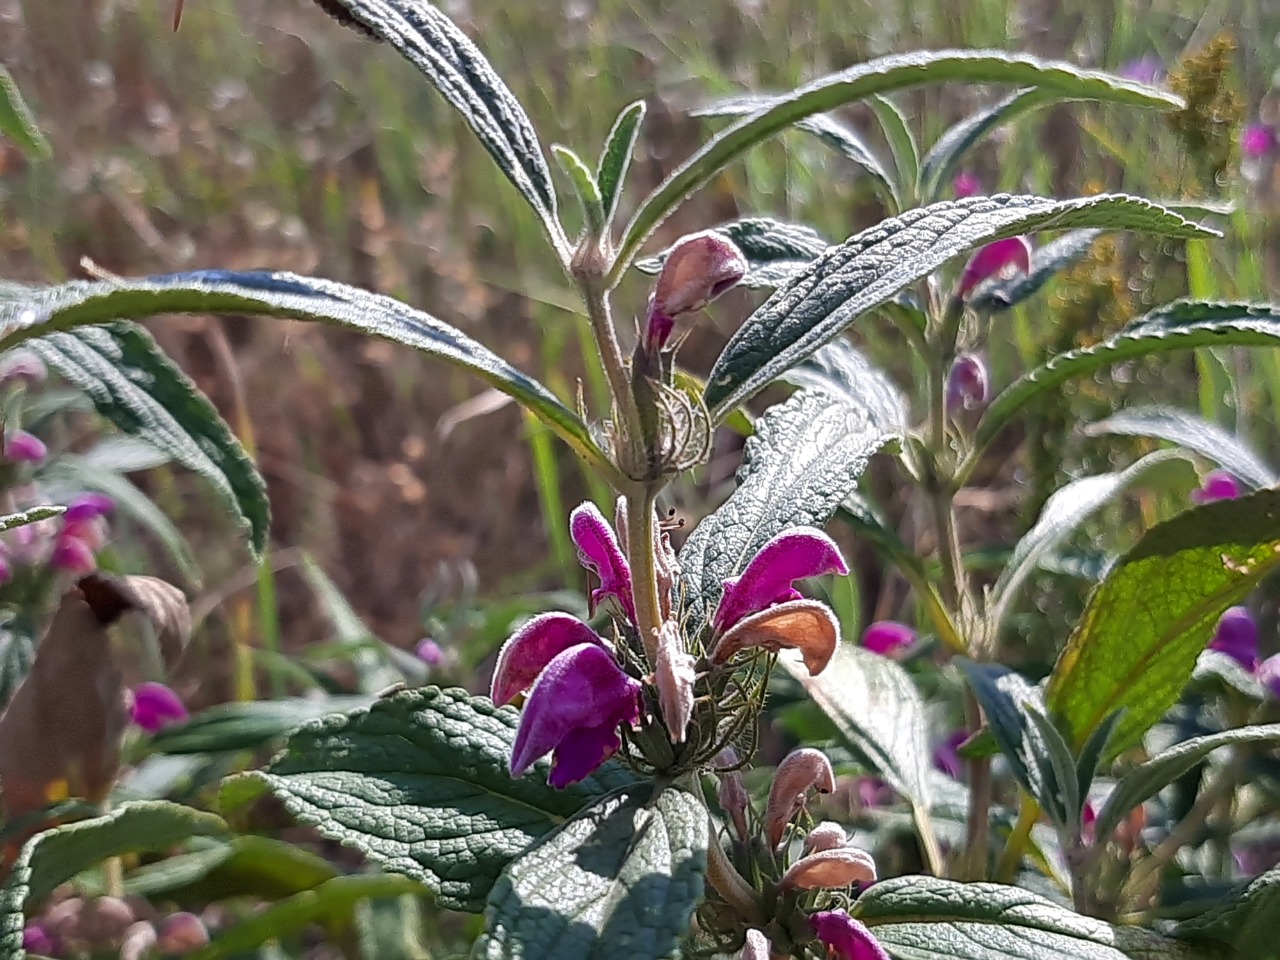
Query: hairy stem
x=605, y=336
x=978, y=826
x=729, y=883
x=644, y=571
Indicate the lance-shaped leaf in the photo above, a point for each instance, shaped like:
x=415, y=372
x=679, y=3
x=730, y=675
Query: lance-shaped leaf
x=1149, y=778
x=1246, y=920
x=617, y=882
x=16, y=121
x=924, y=918
x=615, y=159
x=459, y=71
x=41, y=311
x=1047, y=262
x=1066, y=510
x=868, y=269
x=1181, y=325
x=775, y=251
x=804, y=459
x=51, y=858
x=247, y=726
x=1191, y=433
x=884, y=75
x=906, y=152
x=1143, y=628
x=418, y=782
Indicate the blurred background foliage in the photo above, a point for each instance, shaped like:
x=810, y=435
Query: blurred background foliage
x=264, y=135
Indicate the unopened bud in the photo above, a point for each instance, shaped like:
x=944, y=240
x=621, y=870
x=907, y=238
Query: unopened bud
x=23, y=447
x=105, y=921
x=697, y=270
x=968, y=387
x=756, y=946
x=732, y=794
x=799, y=771
x=1010, y=255
x=139, y=941
x=825, y=836
x=182, y=933
x=674, y=675
x=830, y=870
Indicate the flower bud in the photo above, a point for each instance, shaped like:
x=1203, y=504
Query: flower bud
x=1268, y=674
x=946, y=756
x=674, y=676
x=825, y=836
x=966, y=184
x=1010, y=255
x=1237, y=636
x=72, y=555
x=1218, y=485
x=732, y=793
x=756, y=946
x=845, y=937
x=1146, y=69
x=697, y=270
x=796, y=774
x=967, y=384
x=430, y=652
x=155, y=707
x=88, y=506
x=37, y=938
x=1257, y=140
x=23, y=447
x=830, y=870
x=105, y=920
x=139, y=941
x=182, y=933
x=22, y=365
x=888, y=637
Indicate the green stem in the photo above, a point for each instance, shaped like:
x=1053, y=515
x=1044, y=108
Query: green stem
x=731, y=886
x=1011, y=856
x=596, y=298
x=644, y=571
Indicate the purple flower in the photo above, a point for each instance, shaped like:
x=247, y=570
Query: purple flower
x=874, y=792
x=36, y=939
x=697, y=270
x=573, y=712
x=845, y=937
x=1218, y=485
x=528, y=651
x=22, y=365
x=23, y=447
x=1237, y=636
x=967, y=384
x=966, y=184
x=888, y=637
x=430, y=652
x=155, y=707
x=792, y=555
x=599, y=552
x=73, y=555
x=88, y=506
x=1257, y=140
x=1147, y=69
x=946, y=755
x=993, y=260
x=1268, y=674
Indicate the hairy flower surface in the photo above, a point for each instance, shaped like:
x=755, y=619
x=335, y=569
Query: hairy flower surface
x=845, y=937
x=156, y=706
x=888, y=637
x=1011, y=254
x=599, y=552
x=528, y=651
x=769, y=578
x=1237, y=636
x=1218, y=485
x=698, y=269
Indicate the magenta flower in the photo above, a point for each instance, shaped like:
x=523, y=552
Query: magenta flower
x=430, y=652
x=599, y=552
x=1088, y=823
x=1218, y=485
x=1147, y=69
x=37, y=939
x=155, y=707
x=888, y=637
x=697, y=270
x=946, y=755
x=1237, y=636
x=792, y=555
x=23, y=447
x=73, y=555
x=528, y=651
x=966, y=184
x=1268, y=674
x=967, y=384
x=6, y=568
x=1010, y=255
x=1257, y=140
x=845, y=937
x=88, y=506
x=874, y=792
x=573, y=712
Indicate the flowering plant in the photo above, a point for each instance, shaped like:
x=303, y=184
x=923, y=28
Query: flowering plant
x=602, y=799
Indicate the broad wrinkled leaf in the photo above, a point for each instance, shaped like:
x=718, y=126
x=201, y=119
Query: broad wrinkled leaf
x=459, y=71
x=884, y=75
x=16, y=121
x=775, y=251
x=879, y=715
x=418, y=783
x=1047, y=262
x=1182, y=325
x=46, y=310
x=618, y=882
x=615, y=159
x=1147, y=779
x=1066, y=510
x=868, y=269
x=247, y=726
x=943, y=158
x=1192, y=433
x=55, y=856
x=924, y=918
x=803, y=460
x=31, y=515
x=842, y=370
x=1246, y=920
x=1137, y=642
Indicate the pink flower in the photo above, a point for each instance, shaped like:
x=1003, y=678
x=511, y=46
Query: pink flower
x=1268, y=673
x=599, y=552
x=73, y=555
x=888, y=637
x=155, y=707
x=1012, y=255
x=793, y=555
x=1257, y=140
x=573, y=712
x=967, y=384
x=1237, y=636
x=1218, y=485
x=429, y=652
x=182, y=933
x=528, y=651
x=946, y=756
x=874, y=792
x=23, y=447
x=966, y=184
x=845, y=937
x=697, y=270
x=37, y=939
x=88, y=506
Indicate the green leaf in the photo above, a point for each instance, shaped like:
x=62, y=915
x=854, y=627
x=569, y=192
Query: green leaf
x=906, y=152
x=1065, y=511
x=1181, y=325
x=584, y=187
x=843, y=371
x=1191, y=433
x=55, y=856
x=332, y=903
x=140, y=390
x=391, y=929
x=944, y=157
x=1136, y=644
x=459, y=71
x=618, y=882
x=17, y=651
x=1246, y=921
x=775, y=251
x=803, y=460
x=45, y=310
x=418, y=782
x=924, y=918
x=1147, y=779
x=615, y=159
x=16, y=121
x=31, y=515
x=830, y=131
x=247, y=725
x=868, y=269
x=997, y=294
x=884, y=75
